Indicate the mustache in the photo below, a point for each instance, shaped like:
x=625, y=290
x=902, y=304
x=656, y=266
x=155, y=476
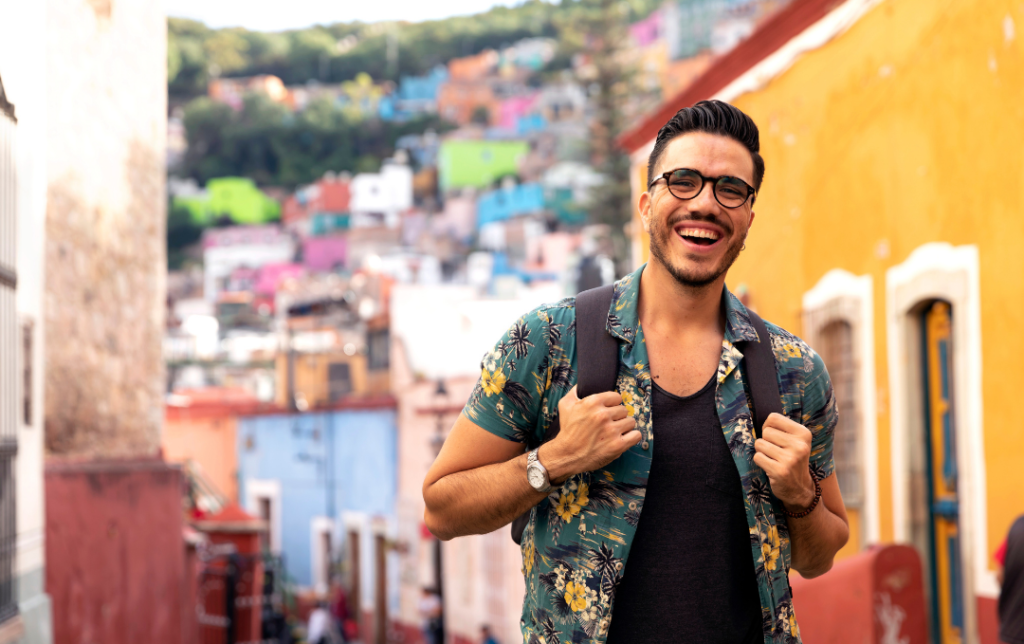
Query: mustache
x=707, y=219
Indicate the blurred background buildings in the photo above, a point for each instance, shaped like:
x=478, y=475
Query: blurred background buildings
x=246, y=280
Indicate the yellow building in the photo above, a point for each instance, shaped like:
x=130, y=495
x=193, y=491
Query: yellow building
x=890, y=235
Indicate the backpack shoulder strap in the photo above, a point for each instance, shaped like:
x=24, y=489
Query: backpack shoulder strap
x=761, y=374
x=597, y=351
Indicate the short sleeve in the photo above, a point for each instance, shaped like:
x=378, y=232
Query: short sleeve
x=819, y=415
x=507, y=399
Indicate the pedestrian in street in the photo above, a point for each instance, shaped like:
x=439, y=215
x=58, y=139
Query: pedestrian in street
x=431, y=612
x=659, y=512
x=1010, y=557
x=321, y=628
x=486, y=637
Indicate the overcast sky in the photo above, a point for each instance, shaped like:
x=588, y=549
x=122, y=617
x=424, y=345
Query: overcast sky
x=263, y=15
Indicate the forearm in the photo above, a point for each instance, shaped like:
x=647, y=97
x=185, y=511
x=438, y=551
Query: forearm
x=815, y=540
x=480, y=500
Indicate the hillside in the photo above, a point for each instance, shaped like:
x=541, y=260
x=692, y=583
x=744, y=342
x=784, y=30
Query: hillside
x=385, y=51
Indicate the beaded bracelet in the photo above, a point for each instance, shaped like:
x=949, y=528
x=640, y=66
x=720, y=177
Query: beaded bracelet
x=814, y=503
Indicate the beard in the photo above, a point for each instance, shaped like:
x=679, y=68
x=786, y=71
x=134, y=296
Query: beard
x=697, y=277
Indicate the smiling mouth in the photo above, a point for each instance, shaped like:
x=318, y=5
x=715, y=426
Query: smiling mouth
x=699, y=236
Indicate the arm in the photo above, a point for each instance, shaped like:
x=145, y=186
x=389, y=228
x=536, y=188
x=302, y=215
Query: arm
x=478, y=482
x=783, y=453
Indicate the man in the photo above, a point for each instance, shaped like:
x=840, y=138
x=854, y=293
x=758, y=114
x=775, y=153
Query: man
x=486, y=636
x=1010, y=557
x=666, y=521
x=431, y=612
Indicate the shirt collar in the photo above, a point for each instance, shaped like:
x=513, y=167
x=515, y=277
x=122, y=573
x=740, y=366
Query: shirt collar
x=624, y=317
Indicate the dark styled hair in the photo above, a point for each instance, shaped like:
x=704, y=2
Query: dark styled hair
x=712, y=117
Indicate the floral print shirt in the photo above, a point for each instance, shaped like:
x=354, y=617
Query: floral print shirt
x=576, y=545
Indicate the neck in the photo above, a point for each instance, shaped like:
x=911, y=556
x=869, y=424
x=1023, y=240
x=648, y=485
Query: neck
x=672, y=307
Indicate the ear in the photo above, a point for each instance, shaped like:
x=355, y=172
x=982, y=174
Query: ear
x=751, y=222
x=644, y=206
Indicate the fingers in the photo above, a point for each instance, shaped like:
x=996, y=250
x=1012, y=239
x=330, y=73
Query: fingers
x=781, y=423
x=605, y=399
x=631, y=438
x=624, y=425
x=618, y=412
x=772, y=468
x=772, y=451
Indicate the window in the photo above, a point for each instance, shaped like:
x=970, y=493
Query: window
x=835, y=346
x=26, y=373
x=339, y=378
x=8, y=361
x=379, y=349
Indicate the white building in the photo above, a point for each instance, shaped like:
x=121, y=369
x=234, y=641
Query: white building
x=25, y=609
x=227, y=249
x=380, y=198
x=482, y=576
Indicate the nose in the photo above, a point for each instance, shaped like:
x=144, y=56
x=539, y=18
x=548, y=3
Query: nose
x=705, y=200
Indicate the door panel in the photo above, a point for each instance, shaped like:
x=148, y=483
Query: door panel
x=943, y=496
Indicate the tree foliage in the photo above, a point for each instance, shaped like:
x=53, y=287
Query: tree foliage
x=267, y=143
x=339, y=52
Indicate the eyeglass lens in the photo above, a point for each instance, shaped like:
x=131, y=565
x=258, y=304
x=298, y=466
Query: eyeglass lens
x=686, y=184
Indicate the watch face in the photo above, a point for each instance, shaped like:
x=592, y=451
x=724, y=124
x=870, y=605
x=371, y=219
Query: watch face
x=536, y=478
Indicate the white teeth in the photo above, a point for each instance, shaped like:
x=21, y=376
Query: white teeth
x=700, y=233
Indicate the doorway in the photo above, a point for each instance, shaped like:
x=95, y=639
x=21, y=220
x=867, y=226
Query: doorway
x=939, y=531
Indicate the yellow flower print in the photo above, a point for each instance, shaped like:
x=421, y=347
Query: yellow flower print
x=567, y=507
x=794, y=630
x=528, y=557
x=581, y=497
x=627, y=400
x=770, y=548
x=791, y=349
x=576, y=596
x=493, y=382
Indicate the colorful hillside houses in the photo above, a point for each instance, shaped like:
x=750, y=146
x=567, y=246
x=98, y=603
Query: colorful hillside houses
x=478, y=164
x=415, y=96
x=508, y=202
x=908, y=292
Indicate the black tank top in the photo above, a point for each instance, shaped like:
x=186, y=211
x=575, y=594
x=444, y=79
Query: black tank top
x=689, y=576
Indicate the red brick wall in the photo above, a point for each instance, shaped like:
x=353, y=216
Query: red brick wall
x=115, y=557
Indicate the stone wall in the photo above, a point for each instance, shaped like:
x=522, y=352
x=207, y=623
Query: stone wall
x=105, y=226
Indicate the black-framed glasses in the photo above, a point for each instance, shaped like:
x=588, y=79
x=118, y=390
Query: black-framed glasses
x=685, y=184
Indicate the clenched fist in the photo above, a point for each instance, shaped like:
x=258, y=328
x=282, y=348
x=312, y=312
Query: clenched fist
x=784, y=452
x=595, y=431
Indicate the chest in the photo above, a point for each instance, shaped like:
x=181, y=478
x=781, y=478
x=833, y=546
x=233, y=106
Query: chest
x=682, y=366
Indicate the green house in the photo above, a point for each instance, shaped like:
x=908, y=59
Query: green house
x=236, y=198
x=478, y=164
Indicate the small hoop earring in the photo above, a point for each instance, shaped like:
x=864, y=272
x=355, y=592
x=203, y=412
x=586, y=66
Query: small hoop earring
x=744, y=247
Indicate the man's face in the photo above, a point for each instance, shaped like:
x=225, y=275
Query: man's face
x=697, y=240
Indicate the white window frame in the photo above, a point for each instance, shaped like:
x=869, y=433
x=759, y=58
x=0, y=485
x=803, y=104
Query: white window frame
x=940, y=271
x=257, y=489
x=318, y=527
x=841, y=295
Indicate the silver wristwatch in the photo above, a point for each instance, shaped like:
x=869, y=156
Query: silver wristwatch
x=536, y=474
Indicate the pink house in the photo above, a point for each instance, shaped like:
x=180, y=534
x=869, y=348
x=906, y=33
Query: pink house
x=322, y=254
x=512, y=109
x=271, y=276
x=646, y=31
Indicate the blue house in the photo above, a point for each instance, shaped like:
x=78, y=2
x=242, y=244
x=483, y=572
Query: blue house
x=320, y=479
x=415, y=95
x=505, y=203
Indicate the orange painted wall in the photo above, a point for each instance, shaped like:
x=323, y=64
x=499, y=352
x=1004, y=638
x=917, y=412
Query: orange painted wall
x=210, y=441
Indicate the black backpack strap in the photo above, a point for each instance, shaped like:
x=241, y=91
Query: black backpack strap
x=597, y=351
x=597, y=364
x=761, y=374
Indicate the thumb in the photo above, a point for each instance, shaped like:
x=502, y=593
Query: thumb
x=571, y=396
